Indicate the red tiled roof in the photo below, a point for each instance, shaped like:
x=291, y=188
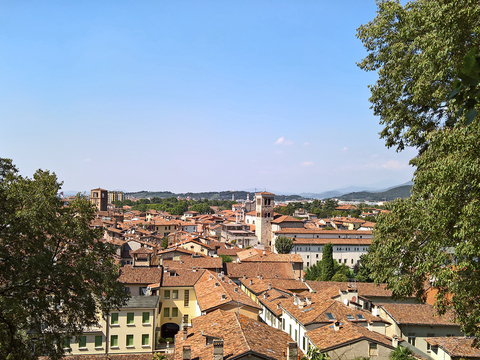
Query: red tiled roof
x=213, y=292
x=456, y=347
x=267, y=270
x=327, y=338
x=241, y=336
x=416, y=314
x=140, y=275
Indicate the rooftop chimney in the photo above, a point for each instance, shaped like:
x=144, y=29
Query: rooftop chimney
x=217, y=284
x=224, y=297
x=295, y=299
x=336, y=326
x=251, y=281
x=235, y=289
x=269, y=286
x=308, y=299
x=244, y=277
x=292, y=351
x=217, y=349
x=395, y=341
x=185, y=333
x=187, y=352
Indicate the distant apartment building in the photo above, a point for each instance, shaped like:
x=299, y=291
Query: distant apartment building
x=115, y=196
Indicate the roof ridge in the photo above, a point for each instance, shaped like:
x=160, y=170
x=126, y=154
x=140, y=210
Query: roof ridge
x=237, y=318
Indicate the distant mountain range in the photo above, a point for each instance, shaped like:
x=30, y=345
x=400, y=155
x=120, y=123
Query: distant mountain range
x=350, y=193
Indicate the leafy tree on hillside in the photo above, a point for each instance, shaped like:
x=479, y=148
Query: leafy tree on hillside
x=418, y=50
x=283, y=245
x=50, y=259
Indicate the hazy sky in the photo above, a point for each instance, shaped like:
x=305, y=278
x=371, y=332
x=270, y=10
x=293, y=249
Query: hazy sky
x=191, y=95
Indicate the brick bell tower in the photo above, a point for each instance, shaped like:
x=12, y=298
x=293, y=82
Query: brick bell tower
x=263, y=224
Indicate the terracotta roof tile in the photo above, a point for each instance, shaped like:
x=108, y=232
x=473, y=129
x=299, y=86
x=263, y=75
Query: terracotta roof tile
x=253, y=269
x=188, y=262
x=138, y=275
x=418, y=314
x=456, y=347
x=327, y=338
x=241, y=336
x=181, y=277
x=213, y=292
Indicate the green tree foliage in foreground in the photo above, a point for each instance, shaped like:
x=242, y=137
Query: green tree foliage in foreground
x=402, y=353
x=435, y=234
x=427, y=96
x=283, y=245
x=55, y=276
x=417, y=51
x=226, y=258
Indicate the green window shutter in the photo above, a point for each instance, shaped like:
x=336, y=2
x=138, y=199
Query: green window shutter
x=174, y=312
x=166, y=294
x=130, y=318
x=166, y=312
x=114, y=319
x=145, y=339
x=82, y=342
x=114, y=340
x=66, y=343
x=129, y=340
x=186, y=298
x=98, y=341
x=146, y=318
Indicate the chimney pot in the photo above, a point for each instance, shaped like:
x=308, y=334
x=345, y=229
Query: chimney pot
x=395, y=341
x=292, y=351
x=251, y=281
x=269, y=286
x=336, y=326
x=187, y=352
x=217, y=349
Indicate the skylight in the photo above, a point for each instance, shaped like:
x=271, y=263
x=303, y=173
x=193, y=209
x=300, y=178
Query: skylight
x=360, y=317
x=350, y=317
x=330, y=316
x=304, y=311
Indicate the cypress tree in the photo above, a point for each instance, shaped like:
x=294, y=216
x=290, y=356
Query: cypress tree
x=328, y=269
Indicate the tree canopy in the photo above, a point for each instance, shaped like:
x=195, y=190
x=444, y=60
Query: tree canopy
x=283, y=245
x=55, y=276
x=417, y=51
x=433, y=237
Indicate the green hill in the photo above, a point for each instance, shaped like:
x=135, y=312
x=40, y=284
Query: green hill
x=392, y=194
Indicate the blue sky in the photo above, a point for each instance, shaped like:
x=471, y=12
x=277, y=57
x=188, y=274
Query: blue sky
x=191, y=95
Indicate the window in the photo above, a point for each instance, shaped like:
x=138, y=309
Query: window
x=130, y=318
x=296, y=334
x=290, y=330
x=308, y=256
x=186, y=298
x=82, y=342
x=174, y=312
x=129, y=340
x=66, y=343
x=146, y=318
x=330, y=316
x=373, y=349
x=411, y=338
x=303, y=345
x=114, y=341
x=114, y=319
x=175, y=294
x=360, y=317
x=351, y=261
x=166, y=294
x=350, y=317
x=145, y=339
x=166, y=312
x=283, y=324
x=185, y=319
x=345, y=261
x=429, y=347
x=98, y=341
x=142, y=291
x=317, y=256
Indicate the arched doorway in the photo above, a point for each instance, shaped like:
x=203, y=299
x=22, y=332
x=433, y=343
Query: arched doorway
x=169, y=330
